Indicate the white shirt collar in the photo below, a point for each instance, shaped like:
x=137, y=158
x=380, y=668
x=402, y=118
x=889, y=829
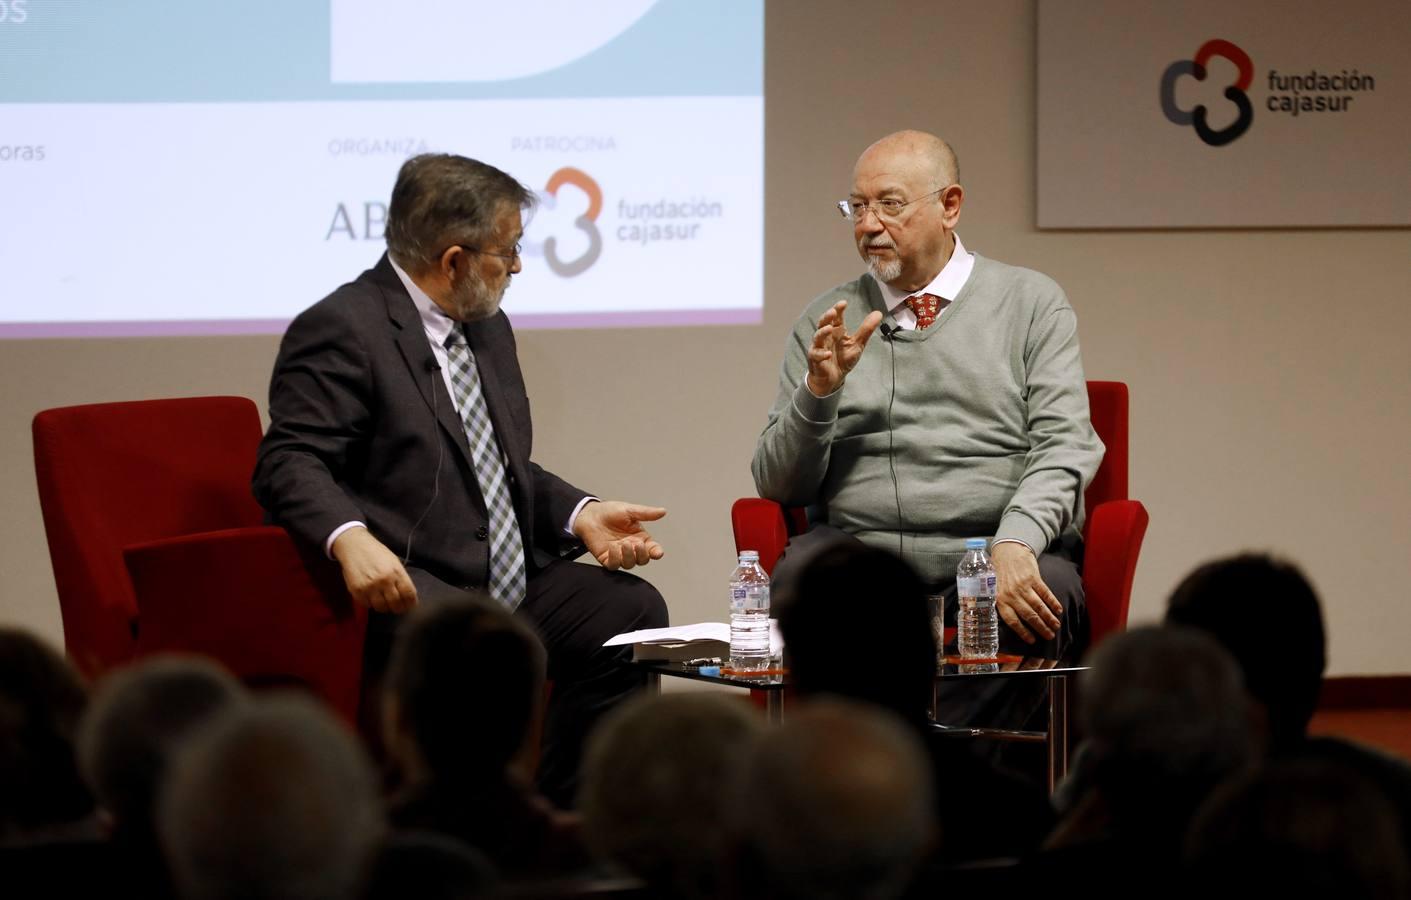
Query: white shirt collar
x=946, y=284
x=438, y=325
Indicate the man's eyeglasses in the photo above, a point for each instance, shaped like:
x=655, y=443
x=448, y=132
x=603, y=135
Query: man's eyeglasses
x=886, y=210
x=511, y=256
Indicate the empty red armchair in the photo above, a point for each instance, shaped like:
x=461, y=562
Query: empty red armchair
x=1112, y=533
x=157, y=545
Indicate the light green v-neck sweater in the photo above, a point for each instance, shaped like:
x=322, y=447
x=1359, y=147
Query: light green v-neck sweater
x=990, y=435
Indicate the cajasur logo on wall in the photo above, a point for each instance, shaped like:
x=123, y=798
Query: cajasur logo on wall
x=1235, y=93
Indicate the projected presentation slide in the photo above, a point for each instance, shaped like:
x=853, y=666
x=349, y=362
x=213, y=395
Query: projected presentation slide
x=207, y=167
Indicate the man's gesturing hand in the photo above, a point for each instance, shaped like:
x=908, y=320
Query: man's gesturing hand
x=612, y=531
x=1025, y=603
x=834, y=352
x=374, y=575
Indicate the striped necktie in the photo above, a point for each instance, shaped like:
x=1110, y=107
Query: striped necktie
x=507, y=575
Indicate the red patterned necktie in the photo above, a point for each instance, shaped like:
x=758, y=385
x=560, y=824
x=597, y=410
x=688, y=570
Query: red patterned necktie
x=926, y=307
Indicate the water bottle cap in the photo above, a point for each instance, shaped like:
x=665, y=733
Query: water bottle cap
x=749, y=554
x=976, y=543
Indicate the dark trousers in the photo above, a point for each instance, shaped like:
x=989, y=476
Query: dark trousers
x=574, y=608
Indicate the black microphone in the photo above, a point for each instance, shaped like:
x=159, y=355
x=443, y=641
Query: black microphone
x=432, y=365
x=888, y=331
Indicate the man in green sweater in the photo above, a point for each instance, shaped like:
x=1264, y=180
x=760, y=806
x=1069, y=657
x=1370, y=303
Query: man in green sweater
x=966, y=416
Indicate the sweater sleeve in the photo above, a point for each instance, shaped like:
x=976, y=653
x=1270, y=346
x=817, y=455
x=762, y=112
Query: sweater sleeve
x=791, y=455
x=1064, y=451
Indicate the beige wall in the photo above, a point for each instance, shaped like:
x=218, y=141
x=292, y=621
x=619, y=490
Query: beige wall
x=1268, y=369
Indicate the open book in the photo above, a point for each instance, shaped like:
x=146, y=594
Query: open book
x=679, y=643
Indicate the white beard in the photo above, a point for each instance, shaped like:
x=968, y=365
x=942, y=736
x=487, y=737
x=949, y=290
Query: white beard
x=884, y=270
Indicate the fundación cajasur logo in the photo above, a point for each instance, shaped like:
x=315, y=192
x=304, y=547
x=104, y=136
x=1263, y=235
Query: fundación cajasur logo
x=587, y=223
x=1236, y=93
x=1302, y=92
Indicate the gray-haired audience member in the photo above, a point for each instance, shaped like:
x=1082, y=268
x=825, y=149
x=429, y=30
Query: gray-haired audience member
x=138, y=718
x=274, y=799
x=651, y=796
x=1167, y=719
x=42, y=796
x=834, y=803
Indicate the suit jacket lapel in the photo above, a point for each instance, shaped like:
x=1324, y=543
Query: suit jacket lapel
x=420, y=361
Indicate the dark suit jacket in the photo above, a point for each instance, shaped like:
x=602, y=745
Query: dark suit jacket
x=361, y=424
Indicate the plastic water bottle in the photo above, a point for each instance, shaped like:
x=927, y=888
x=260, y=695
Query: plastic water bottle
x=749, y=614
x=977, y=632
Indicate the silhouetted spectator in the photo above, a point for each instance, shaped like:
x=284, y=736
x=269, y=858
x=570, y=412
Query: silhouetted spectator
x=833, y=804
x=652, y=796
x=1167, y=719
x=428, y=866
x=1239, y=600
x=138, y=717
x=1301, y=828
x=1243, y=602
x=42, y=795
x=272, y=799
x=462, y=695
x=891, y=663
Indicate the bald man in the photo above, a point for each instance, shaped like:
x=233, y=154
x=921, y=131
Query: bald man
x=938, y=397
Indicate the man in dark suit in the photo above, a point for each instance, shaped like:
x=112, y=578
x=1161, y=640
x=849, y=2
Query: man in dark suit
x=399, y=446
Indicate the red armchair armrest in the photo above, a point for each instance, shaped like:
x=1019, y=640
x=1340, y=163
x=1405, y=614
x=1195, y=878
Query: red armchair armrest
x=247, y=598
x=1114, y=541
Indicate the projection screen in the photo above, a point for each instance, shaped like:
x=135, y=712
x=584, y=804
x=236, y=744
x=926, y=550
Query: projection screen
x=213, y=167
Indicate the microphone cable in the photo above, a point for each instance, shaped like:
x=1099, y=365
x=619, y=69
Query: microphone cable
x=433, y=368
x=888, y=335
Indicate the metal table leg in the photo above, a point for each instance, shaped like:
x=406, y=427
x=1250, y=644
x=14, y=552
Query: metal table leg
x=1057, y=729
x=774, y=706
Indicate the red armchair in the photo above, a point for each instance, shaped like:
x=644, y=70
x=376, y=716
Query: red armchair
x=1112, y=534
x=158, y=545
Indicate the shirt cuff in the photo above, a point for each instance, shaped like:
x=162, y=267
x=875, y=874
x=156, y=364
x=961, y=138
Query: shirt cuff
x=1015, y=541
x=328, y=544
x=568, y=532
x=814, y=409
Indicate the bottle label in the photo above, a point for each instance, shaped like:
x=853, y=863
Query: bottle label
x=738, y=594
x=975, y=586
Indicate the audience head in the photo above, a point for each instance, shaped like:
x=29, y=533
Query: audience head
x=1300, y=828
x=651, y=796
x=137, y=719
x=41, y=700
x=463, y=690
x=818, y=619
x=1166, y=719
x=272, y=799
x=1266, y=614
x=836, y=802
x=428, y=866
